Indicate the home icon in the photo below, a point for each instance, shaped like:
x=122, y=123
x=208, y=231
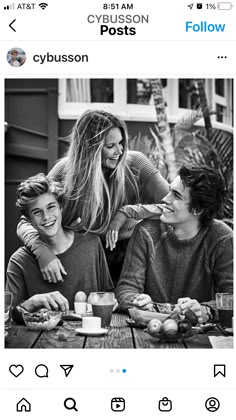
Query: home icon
x=23, y=405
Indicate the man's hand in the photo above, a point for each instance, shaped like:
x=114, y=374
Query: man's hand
x=53, y=301
x=144, y=301
x=111, y=238
x=53, y=271
x=199, y=310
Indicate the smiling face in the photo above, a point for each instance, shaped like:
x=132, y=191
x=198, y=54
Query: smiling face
x=45, y=215
x=176, y=205
x=14, y=54
x=113, y=148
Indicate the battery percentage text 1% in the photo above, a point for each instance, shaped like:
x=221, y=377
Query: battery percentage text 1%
x=211, y=6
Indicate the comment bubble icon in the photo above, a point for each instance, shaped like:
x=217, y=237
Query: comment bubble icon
x=41, y=371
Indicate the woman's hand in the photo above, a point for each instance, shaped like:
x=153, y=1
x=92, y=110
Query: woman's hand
x=111, y=238
x=144, y=301
x=53, y=271
x=53, y=301
x=199, y=310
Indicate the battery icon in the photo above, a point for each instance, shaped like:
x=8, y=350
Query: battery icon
x=224, y=5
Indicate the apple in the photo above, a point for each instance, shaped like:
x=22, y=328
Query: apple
x=80, y=297
x=154, y=326
x=170, y=327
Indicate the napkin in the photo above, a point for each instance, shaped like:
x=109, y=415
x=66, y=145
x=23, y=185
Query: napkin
x=222, y=342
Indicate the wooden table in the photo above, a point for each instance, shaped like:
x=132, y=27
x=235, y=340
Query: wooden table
x=120, y=335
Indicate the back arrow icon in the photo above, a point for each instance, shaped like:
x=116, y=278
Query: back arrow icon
x=11, y=24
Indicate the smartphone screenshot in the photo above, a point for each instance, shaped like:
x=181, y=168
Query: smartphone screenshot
x=117, y=186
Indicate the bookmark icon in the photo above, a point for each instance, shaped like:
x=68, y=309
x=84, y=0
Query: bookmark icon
x=219, y=370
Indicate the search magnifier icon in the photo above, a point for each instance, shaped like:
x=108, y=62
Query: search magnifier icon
x=70, y=404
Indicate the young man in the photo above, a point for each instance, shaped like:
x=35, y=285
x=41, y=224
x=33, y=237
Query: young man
x=15, y=60
x=186, y=256
x=82, y=256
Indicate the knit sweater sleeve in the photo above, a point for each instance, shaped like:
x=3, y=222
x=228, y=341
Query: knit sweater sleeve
x=223, y=264
x=152, y=186
x=57, y=172
x=136, y=211
x=133, y=275
x=15, y=279
x=222, y=268
x=30, y=238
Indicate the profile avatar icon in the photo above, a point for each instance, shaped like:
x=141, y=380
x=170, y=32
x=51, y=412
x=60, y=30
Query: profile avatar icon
x=16, y=57
x=212, y=404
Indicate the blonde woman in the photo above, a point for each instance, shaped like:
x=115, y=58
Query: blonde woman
x=99, y=175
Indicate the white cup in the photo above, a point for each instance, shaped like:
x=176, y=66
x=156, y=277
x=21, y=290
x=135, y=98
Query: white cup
x=91, y=322
x=80, y=307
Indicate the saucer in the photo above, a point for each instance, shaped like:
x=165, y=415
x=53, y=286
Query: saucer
x=90, y=332
x=229, y=330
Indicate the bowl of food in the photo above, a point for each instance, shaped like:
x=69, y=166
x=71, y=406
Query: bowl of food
x=170, y=330
x=42, y=320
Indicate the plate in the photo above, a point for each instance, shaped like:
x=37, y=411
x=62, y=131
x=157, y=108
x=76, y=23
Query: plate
x=229, y=330
x=178, y=337
x=94, y=333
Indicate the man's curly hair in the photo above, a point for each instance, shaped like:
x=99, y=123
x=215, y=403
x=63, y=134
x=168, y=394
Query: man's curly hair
x=207, y=190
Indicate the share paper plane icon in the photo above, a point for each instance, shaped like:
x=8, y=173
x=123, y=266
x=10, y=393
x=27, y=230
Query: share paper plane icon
x=67, y=369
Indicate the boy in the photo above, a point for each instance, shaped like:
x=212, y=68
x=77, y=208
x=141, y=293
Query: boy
x=40, y=201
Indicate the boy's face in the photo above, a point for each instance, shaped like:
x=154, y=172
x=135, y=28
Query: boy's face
x=14, y=55
x=176, y=205
x=45, y=215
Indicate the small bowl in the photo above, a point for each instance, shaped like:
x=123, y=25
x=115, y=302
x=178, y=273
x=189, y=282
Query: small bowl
x=45, y=320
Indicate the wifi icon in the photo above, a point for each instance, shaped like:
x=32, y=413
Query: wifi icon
x=43, y=5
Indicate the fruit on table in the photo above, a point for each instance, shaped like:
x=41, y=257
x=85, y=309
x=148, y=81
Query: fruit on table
x=80, y=297
x=184, y=326
x=144, y=317
x=170, y=327
x=191, y=316
x=154, y=326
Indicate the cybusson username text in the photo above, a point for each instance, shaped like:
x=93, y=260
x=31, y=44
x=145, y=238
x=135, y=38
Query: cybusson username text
x=58, y=58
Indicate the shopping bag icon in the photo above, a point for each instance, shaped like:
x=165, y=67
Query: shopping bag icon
x=165, y=404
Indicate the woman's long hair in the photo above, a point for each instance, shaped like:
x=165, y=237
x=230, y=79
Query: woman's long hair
x=90, y=196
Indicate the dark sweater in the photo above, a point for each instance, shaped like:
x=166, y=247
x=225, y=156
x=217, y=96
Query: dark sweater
x=166, y=268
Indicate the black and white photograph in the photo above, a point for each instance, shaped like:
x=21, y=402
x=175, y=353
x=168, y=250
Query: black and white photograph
x=119, y=213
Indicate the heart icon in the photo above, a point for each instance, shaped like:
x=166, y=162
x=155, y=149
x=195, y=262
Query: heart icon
x=16, y=370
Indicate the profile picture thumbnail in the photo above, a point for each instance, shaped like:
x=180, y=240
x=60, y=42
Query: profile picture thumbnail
x=16, y=57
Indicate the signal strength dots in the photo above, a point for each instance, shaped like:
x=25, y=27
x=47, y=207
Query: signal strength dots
x=9, y=6
x=43, y=5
